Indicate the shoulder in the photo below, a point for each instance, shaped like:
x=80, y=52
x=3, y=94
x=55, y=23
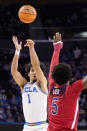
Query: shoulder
x=42, y=89
x=76, y=87
x=77, y=83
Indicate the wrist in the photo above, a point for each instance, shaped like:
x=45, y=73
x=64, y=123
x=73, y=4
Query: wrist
x=59, y=42
x=58, y=45
x=31, y=47
x=17, y=52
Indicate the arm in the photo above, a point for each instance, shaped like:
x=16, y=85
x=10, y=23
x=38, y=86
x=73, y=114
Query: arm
x=55, y=58
x=20, y=80
x=36, y=64
x=85, y=82
x=78, y=86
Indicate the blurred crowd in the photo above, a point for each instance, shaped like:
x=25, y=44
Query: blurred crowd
x=70, y=18
x=10, y=94
x=10, y=24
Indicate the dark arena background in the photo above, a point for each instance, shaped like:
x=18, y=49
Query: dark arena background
x=66, y=16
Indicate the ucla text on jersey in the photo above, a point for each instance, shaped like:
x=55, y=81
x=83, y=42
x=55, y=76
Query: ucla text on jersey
x=30, y=89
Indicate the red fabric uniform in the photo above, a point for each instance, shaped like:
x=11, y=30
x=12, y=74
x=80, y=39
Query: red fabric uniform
x=63, y=110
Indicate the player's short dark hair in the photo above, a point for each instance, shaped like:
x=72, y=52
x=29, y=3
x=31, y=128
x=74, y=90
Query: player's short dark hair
x=29, y=65
x=62, y=73
x=27, y=68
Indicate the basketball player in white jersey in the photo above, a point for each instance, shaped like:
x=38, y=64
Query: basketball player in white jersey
x=34, y=92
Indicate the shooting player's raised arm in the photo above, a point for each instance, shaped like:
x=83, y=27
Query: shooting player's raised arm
x=19, y=79
x=36, y=65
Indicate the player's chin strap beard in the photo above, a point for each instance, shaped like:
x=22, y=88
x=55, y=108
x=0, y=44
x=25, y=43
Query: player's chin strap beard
x=58, y=91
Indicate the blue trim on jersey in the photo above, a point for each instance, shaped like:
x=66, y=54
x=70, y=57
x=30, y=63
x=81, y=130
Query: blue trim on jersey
x=41, y=89
x=35, y=124
x=30, y=83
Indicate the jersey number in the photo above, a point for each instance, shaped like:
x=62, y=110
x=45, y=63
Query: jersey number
x=29, y=101
x=55, y=106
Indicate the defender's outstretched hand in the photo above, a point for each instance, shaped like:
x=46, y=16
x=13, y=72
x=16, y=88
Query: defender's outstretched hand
x=30, y=43
x=18, y=46
x=57, y=37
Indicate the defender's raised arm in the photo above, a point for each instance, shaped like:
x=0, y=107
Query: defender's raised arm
x=57, y=43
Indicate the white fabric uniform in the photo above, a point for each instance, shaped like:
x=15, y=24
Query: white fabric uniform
x=34, y=107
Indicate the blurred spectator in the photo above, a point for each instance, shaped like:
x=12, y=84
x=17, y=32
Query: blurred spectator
x=2, y=113
x=76, y=50
x=9, y=115
x=82, y=117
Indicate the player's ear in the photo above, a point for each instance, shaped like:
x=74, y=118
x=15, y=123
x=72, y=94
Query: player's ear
x=29, y=74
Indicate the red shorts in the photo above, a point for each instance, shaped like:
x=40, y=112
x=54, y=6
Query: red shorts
x=51, y=128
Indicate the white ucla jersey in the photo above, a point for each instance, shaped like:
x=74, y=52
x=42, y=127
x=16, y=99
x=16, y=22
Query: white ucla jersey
x=34, y=103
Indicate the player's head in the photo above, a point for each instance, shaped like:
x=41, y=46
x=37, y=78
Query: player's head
x=62, y=73
x=30, y=72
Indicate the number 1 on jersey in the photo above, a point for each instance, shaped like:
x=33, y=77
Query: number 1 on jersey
x=29, y=101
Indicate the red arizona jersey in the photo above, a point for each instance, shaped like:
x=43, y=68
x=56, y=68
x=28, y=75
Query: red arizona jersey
x=63, y=108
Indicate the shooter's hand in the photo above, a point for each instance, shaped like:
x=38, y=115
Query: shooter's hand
x=18, y=46
x=30, y=43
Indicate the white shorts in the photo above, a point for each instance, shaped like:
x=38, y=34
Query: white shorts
x=42, y=127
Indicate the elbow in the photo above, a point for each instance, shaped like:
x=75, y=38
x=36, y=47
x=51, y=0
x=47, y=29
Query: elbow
x=13, y=70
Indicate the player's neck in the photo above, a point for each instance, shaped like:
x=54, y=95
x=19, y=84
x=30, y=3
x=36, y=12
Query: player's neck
x=59, y=86
x=32, y=81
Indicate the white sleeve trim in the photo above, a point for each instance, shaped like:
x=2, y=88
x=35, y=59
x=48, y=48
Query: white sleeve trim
x=58, y=43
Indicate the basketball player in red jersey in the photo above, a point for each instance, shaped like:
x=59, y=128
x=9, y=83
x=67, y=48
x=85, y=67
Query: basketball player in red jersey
x=63, y=97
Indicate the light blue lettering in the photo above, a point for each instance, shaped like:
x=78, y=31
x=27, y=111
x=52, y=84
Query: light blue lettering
x=29, y=89
x=35, y=90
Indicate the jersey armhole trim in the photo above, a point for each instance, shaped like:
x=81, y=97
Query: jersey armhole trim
x=41, y=89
